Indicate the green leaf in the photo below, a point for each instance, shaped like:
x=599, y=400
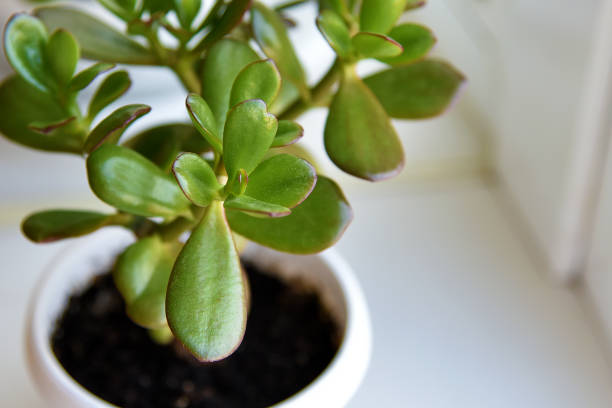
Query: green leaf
x=313, y=226
x=62, y=54
x=359, y=136
x=282, y=179
x=98, y=41
x=420, y=90
x=371, y=45
x=271, y=35
x=287, y=95
x=86, y=77
x=288, y=132
x=126, y=10
x=248, y=134
x=196, y=178
x=379, y=16
x=25, y=41
x=155, y=6
x=299, y=150
x=203, y=119
x=128, y=181
x=113, y=126
x=53, y=225
x=258, y=80
x=114, y=85
x=162, y=144
x=252, y=205
x=338, y=6
x=231, y=17
x=22, y=105
x=141, y=275
x=416, y=41
x=50, y=127
x=412, y=4
x=187, y=10
x=206, y=300
x=218, y=76
x=336, y=32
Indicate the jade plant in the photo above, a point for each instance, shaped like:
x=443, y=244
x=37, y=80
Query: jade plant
x=228, y=174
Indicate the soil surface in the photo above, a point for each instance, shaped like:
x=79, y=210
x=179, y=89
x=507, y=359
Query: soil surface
x=290, y=339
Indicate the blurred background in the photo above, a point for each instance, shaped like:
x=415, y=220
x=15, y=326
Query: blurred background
x=486, y=263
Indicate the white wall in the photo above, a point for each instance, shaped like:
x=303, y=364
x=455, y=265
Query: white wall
x=598, y=276
x=541, y=127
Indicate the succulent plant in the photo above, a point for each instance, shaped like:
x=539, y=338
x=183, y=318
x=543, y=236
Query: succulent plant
x=228, y=174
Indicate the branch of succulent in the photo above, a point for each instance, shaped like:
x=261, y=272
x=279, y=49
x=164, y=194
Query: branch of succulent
x=226, y=173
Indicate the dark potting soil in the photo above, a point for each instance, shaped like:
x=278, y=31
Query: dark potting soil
x=290, y=339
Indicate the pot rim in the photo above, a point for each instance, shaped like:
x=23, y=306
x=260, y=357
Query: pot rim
x=333, y=387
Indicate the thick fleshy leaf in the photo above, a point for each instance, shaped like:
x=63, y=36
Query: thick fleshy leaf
x=196, y=178
x=412, y=4
x=372, y=45
x=52, y=225
x=335, y=31
x=114, y=85
x=271, y=35
x=50, y=127
x=252, y=205
x=218, y=76
x=86, y=77
x=248, y=135
x=98, y=41
x=187, y=10
x=313, y=226
x=113, y=126
x=141, y=275
x=62, y=54
x=23, y=105
x=359, y=136
x=126, y=180
x=282, y=179
x=288, y=132
x=25, y=42
x=416, y=41
x=231, y=17
x=339, y=6
x=162, y=144
x=287, y=95
x=258, y=80
x=125, y=9
x=379, y=16
x=420, y=90
x=203, y=119
x=155, y=6
x=206, y=300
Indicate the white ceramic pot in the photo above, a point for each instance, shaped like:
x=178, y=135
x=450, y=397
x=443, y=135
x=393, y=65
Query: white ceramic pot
x=73, y=269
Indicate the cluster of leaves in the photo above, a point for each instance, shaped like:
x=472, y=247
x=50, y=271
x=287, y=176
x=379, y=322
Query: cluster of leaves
x=228, y=174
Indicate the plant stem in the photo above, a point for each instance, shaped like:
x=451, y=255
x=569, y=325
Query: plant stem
x=172, y=231
x=186, y=73
x=289, y=4
x=179, y=61
x=320, y=94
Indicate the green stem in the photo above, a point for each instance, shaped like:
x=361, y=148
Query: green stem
x=289, y=4
x=184, y=69
x=141, y=226
x=179, y=61
x=173, y=230
x=320, y=94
